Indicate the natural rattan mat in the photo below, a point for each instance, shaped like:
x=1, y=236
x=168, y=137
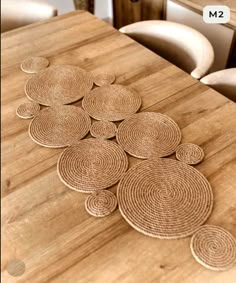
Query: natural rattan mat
x=104, y=79
x=189, y=153
x=103, y=129
x=34, y=64
x=28, y=110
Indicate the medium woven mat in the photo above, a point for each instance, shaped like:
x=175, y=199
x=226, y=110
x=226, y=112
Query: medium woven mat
x=104, y=79
x=149, y=134
x=112, y=103
x=164, y=198
x=60, y=126
x=214, y=247
x=61, y=84
x=189, y=153
x=34, y=64
x=28, y=110
x=91, y=165
x=101, y=203
x=103, y=129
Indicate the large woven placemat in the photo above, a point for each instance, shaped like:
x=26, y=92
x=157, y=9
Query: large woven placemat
x=92, y=164
x=189, y=153
x=103, y=129
x=59, y=126
x=149, y=134
x=164, y=198
x=34, y=64
x=214, y=247
x=104, y=79
x=60, y=84
x=28, y=110
x=112, y=103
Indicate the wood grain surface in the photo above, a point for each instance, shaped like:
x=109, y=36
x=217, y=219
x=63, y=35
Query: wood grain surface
x=44, y=224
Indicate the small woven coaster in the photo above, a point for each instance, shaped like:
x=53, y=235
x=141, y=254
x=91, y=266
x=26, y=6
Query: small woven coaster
x=189, y=153
x=214, y=247
x=101, y=203
x=149, y=134
x=92, y=164
x=104, y=79
x=164, y=198
x=34, y=64
x=103, y=129
x=61, y=84
x=60, y=126
x=111, y=103
x=28, y=110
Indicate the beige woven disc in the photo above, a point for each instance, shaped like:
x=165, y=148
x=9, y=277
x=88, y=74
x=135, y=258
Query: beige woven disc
x=214, y=247
x=103, y=129
x=104, y=79
x=111, y=103
x=34, y=64
x=164, y=198
x=91, y=165
x=189, y=153
x=149, y=134
x=28, y=110
x=61, y=84
x=101, y=203
x=60, y=126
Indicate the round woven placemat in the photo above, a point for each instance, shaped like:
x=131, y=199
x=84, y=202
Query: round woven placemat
x=189, y=153
x=103, y=129
x=104, y=79
x=28, y=110
x=34, y=64
x=214, y=247
x=149, y=134
x=61, y=84
x=111, y=103
x=101, y=203
x=91, y=165
x=59, y=126
x=164, y=198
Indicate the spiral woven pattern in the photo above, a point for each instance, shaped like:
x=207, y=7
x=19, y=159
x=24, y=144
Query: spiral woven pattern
x=149, y=134
x=34, y=64
x=60, y=126
x=61, y=84
x=164, y=198
x=111, y=103
x=103, y=129
x=104, y=79
x=28, y=110
x=101, y=203
x=91, y=165
x=214, y=247
x=189, y=153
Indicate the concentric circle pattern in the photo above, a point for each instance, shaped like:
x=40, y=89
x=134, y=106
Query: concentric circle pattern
x=28, y=110
x=59, y=126
x=164, y=198
x=103, y=129
x=189, y=153
x=61, y=84
x=149, y=134
x=34, y=64
x=111, y=103
x=91, y=165
x=101, y=203
x=214, y=247
x=104, y=79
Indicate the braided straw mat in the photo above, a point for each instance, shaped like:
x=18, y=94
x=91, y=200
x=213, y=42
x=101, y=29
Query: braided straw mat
x=164, y=198
x=104, y=79
x=34, y=64
x=149, y=134
x=112, y=103
x=91, y=165
x=103, y=129
x=28, y=110
x=61, y=84
x=101, y=203
x=60, y=126
x=189, y=153
x=214, y=247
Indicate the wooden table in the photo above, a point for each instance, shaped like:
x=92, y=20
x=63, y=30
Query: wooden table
x=44, y=223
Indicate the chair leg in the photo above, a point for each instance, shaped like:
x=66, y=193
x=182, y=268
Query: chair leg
x=87, y=5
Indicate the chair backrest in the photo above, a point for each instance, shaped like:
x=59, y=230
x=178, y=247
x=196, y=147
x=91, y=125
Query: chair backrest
x=17, y=13
x=223, y=81
x=180, y=44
